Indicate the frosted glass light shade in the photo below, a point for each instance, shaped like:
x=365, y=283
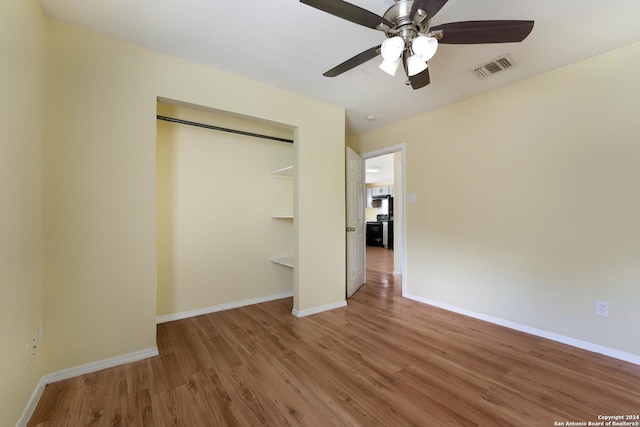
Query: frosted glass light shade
x=425, y=47
x=392, y=48
x=390, y=67
x=415, y=65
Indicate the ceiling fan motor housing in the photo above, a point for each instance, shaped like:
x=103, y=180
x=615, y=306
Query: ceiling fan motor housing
x=399, y=15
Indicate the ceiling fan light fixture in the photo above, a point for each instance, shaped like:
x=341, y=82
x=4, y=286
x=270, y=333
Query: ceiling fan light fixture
x=415, y=65
x=392, y=48
x=425, y=47
x=390, y=67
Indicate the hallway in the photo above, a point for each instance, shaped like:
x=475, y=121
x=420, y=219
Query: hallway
x=381, y=283
x=379, y=259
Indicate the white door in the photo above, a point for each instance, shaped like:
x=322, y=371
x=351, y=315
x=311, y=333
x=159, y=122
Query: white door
x=355, y=222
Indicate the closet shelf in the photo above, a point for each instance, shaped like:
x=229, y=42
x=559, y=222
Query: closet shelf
x=284, y=210
x=287, y=171
x=286, y=261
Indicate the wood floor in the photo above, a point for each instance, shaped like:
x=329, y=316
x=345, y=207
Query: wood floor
x=379, y=259
x=383, y=360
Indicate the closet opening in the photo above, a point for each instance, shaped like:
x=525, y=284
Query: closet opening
x=224, y=211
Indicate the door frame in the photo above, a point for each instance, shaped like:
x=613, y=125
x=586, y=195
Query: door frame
x=401, y=178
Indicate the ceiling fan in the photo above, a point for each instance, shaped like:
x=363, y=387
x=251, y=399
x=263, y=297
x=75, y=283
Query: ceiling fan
x=411, y=40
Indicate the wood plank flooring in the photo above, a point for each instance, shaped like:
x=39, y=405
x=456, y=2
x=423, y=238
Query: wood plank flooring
x=380, y=259
x=381, y=361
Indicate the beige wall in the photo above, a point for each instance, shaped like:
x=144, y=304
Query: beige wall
x=100, y=187
x=215, y=197
x=351, y=141
x=528, y=201
x=100, y=283
x=21, y=236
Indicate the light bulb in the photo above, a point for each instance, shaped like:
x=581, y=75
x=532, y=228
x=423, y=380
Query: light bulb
x=425, y=47
x=392, y=48
x=390, y=67
x=415, y=65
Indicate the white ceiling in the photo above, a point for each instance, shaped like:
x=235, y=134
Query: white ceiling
x=289, y=45
x=379, y=169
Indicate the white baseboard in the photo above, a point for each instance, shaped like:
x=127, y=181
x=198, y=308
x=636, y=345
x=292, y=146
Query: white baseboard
x=611, y=352
x=100, y=365
x=221, y=307
x=31, y=404
x=77, y=371
x=318, y=309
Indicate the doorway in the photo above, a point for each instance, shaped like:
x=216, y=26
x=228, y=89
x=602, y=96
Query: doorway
x=379, y=212
x=385, y=176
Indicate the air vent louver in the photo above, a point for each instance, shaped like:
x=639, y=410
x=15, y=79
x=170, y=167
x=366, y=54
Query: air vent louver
x=501, y=63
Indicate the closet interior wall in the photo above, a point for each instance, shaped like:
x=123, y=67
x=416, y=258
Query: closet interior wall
x=215, y=234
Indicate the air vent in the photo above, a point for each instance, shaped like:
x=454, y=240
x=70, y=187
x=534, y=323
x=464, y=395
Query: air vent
x=501, y=63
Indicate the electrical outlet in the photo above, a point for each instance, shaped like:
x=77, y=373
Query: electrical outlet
x=602, y=308
x=32, y=348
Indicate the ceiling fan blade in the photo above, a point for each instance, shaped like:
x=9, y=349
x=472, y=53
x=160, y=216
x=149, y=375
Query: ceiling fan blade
x=430, y=6
x=420, y=80
x=348, y=11
x=477, y=32
x=350, y=63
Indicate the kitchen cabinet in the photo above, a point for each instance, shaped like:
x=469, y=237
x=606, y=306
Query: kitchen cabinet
x=374, y=194
x=381, y=191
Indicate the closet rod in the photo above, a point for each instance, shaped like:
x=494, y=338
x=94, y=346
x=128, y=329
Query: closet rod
x=239, y=132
